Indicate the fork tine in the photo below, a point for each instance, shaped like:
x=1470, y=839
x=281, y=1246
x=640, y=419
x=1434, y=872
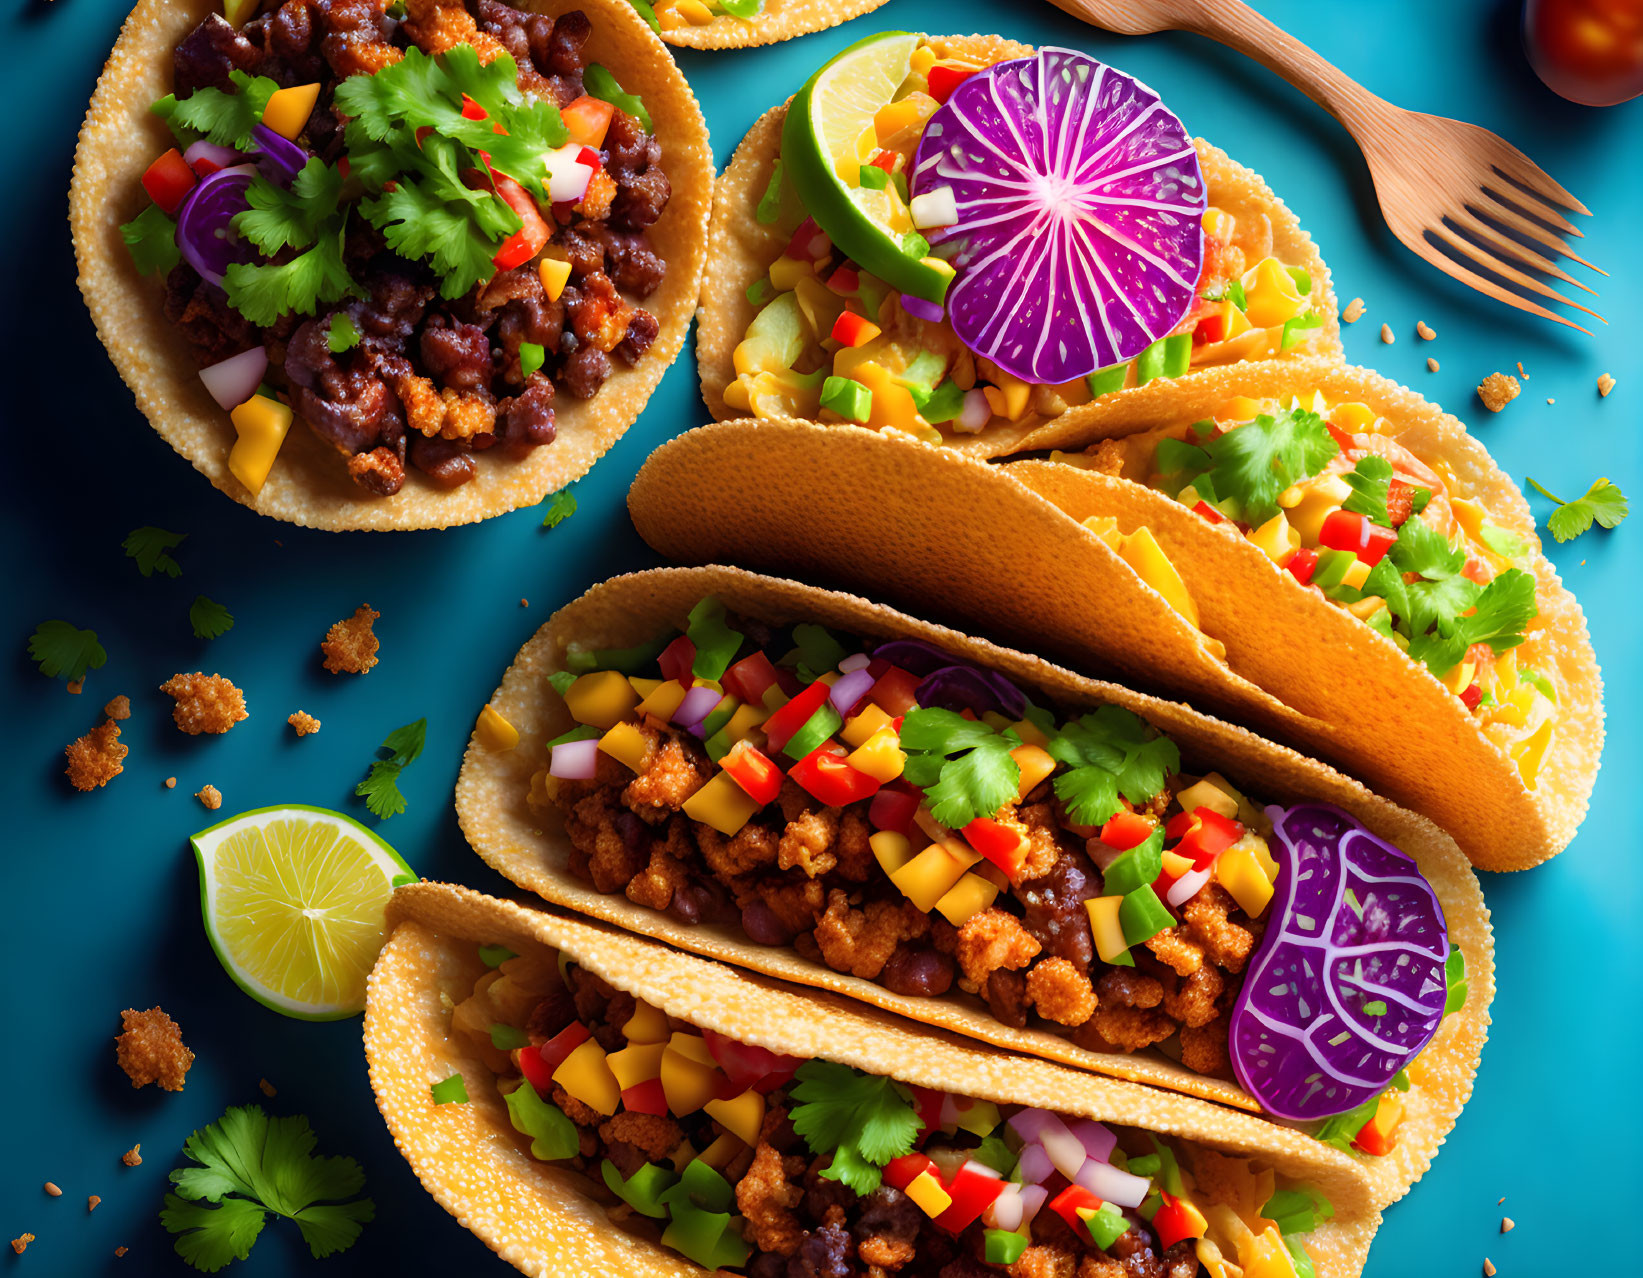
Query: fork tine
x=1477, y=228
x=1509, y=197
x=1509, y=218
x=1460, y=271
x=1524, y=172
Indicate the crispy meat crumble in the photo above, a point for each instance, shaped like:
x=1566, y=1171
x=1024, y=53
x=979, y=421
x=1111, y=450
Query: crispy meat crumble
x=150, y=1050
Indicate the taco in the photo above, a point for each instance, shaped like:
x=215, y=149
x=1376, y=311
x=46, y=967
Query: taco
x=741, y=24
x=848, y=798
x=589, y=1102
x=461, y=244
x=858, y=272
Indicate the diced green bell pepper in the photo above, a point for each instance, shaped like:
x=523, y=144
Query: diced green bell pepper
x=770, y=203
x=1143, y=916
x=1332, y=567
x=848, y=398
x=816, y=730
x=705, y=1237
x=1004, y=1247
x=781, y=325
x=1135, y=868
x=553, y=1135
x=760, y=291
x=643, y=1190
x=701, y=1186
x=507, y=1037
x=1174, y=457
x=450, y=1091
x=1303, y=280
x=1167, y=357
x=495, y=955
x=1107, y=1226
x=874, y=178
x=1106, y=380
x=719, y=716
x=580, y=660
x=945, y=402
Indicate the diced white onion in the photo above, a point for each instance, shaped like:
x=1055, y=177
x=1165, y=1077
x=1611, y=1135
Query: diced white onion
x=1005, y=1211
x=1034, y=1165
x=855, y=661
x=1066, y=1151
x=1187, y=886
x=696, y=706
x=934, y=208
x=976, y=413
x=574, y=760
x=1030, y=1124
x=235, y=379
x=1111, y=1185
x=568, y=177
x=1098, y=1140
x=1032, y=1198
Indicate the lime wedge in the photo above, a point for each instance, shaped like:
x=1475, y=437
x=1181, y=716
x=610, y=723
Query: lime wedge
x=820, y=142
x=293, y=899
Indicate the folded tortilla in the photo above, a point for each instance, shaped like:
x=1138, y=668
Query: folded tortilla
x=741, y=248
x=309, y=484
x=547, y=1219
x=516, y=840
x=776, y=20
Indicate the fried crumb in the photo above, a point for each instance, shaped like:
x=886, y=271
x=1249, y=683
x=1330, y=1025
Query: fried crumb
x=1431, y=364
x=1520, y=371
x=75, y=687
x=92, y=1201
x=268, y=1089
x=1605, y=384
x=1550, y=400
x=350, y=646
x=133, y=1157
x=1387, y=334
x=1507, y=1224
x=1498, y=390
x=1488, y=1268
x=171, y=783
x=303, y=722
x=55, y=1192
x=205, y=703
x=120, y=1251
x=526, y=603
x=151, y=1050
x=1425, y=331
x=1499, y=1201
x=20, y=1245
x=96, y=758
x=119, y=708
x=210, y=797
x=1354, y=311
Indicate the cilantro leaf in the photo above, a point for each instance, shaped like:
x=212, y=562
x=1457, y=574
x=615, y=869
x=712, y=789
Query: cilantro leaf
x=1603, y=502
x=599, y=83
x=862, y=1120
x=962, y=765
x=250, y=1165
x=341, y=334
x=227, y=118
x=1370, y=481
x=262, y=292
x=1340, y=1130
x=1501, y=612
x=1441, y=593
x=561, y=506
x=1297, y=1211
x=209, y=618
x=819, y=652
x=1256, y=461
x=380, y=789
x=280, y=218
x=148, y=546
x=715, y=642
x=63, y=651
x=1108, y=753
x=151, y=239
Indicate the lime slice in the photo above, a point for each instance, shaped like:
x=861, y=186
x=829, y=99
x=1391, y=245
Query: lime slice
x=820, y=140
x=293, y=899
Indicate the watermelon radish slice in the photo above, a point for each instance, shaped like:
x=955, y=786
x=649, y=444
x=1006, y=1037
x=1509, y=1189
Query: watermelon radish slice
x=1348, y=984
x=1079, y=238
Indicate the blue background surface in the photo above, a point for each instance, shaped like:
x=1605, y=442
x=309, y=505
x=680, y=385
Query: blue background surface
x=101, y=906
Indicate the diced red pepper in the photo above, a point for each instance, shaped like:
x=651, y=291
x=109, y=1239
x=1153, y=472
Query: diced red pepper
x=471, y=110
x=1001, y=844
x=943, y=79
x=893, y=809
x=1125, y=830
x=561, y=1045
x=851, y=329
x=169, y=180
x=928, y=1102
x=644, y=1098
x=1209, y=512
x=588, y=156
x=1302, y=564
x=1380, y=1134
x=1348, y=530
x=1066, y=1205
x=752, y=769
x=830, y=779
x=896, y=691
x=780, y=726
x=886, y=160
x=1174, y=1221
x=972, y=1189
x=587, y=120
x=1471, y=696
x=845, y=280
x=749, y=678
x=1400, y=502
x=902, y=1172
x=809, y=242
x=538, y=1073
x=1204, y=835
x=527, y=241
x=748, y=1066
x=676, y=661
x=1342, y=438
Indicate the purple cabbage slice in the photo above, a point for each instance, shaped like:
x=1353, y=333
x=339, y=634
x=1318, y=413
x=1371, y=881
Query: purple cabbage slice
x=1353, y=928
x=1079, y=239
x=205, y=230
x=279, y=158
x=968, y=687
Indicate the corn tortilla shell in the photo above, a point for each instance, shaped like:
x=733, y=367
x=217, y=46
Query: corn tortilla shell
x=1370, y=690
x=547, y=1220
x=533, y=853
x=309, y=484
x=740, y=249
x=777, y=20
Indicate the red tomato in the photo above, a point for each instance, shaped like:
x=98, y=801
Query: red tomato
x=944, y=79
x=895, y=691
x=168, y=180
x=1302, y=564
x=677, y=659
x=750, y=678
x=751, y=768
x=1589, y=51
x=893, y=808
x=1126, y=830
x=527, y=241
x=538, y=1073
x=747, y=1066
x=1173, y=1222
x=831, y=780
x=644, y=1098
x=1003, y=846
x=780, y=726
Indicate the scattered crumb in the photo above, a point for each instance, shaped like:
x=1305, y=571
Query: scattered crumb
x=1354, y=311
x=205, y=703
x=351, y=645
x=1431, y=364
x=1499, y=1201
x=303, y=722
x=96, y=758
x=52, y=1189
x=526, y=603
x=120, y=1251
x=210, y=797
x=1386, y=334
x=1520, y=371
x=75, y=686
x=1425, y=331
x=268, y=1089
x=20, y=1245
x=1550, y=400
x=1498, y=390
x=133, y=1157
x=119, y=708
x=151, y=1050
x=91, y=1202
x=1605, y=384
x=1507, y=1224
x=1488, y=1268
x=171, y=783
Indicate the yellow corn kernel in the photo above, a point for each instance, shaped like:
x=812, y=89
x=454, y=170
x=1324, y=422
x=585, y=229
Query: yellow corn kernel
x=742, y=1115
x=786, y=272
x=880, y=756
x=1354, y=419
x=892, y=403
x=664, y=700
x=495, y=733
x=1273, y=297
x=1357, y=572
x=1142, y=552
x=1035, y=764
x=862, y=726
x=601, y=698
x=930, y=875
x=1240, y=408
x=1104, y=925
x=926, y=1191
x=965, y=899
x=722, y=804
x=260, y=427
x=288, y=109
x=890, y=850
x=1236, y=870
x=1206, y=794
x=585, y=1075
x=647, y=1024
x=1530, y=755
x=554, y=274
x=1220, y=225
x=625, y=744
x=1276, y=539
x=695, y=12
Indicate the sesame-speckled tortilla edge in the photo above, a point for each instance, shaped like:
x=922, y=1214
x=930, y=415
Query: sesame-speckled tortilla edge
x=776, y=21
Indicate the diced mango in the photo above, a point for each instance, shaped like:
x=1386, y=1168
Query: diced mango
x=892, y=402
x=891, y=850
x=260, y=427
x=1271, y=292
x=664, y=700
x=1530, y=754
x=930, y=875
x=494, y=733
x=1142, y=552
x=626, y=744
x=742, y=1114
x=601, y=698
x=910, y=112
x=1262, y=853
x=743, y=723
x=1265, y=1256
x=644, y=687
x=722, y=804
x=692, y=1047
x=722, y=1151
x=1357, y=572
x=695, y=12
x=1276, y=539
x=647, y=1024
x=1459, y=679
x=586, y=1075
x=1313, y=505
x=1175, y=865
x=1237, y=871
x=1220, y=225
x=926, y=1191
x=819, y=305
x=786, y=272
x=968, y=897
x=636, y=1063
x=862, y=726
x=1105, y=926
x=554, y=275
x=880, y=757
x=687, y=1083
x=1240, y=408
x=1206, y=794
x=1029, y=732
x=288, y=109
x=1354, y=419
x=1016, y=393
x=1035, y=764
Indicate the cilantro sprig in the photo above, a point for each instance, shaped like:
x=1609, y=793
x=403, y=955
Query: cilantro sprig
x=151, y=548
x=151, y=239
x=209, y=619
x=227, y=118
x=862, y=1120
x=1108, y=753
x=63, y=651
x=1602, y=502
x=380, y=789
x=251, y=1165
x=1256, y=461
x=962, y=765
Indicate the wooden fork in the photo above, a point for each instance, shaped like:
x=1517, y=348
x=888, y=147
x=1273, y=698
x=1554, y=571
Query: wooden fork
x=1440, y=182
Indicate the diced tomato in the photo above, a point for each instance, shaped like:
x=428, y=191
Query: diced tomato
x=893, y=808
x=809, y=242
x=587, y=120
x=1348, y=530
x=851, y=329
x=1341, y=437
x=928, y=1100
x=169, y=180
x=972, y=1189
x=1125, y=830
x=748, y=1066
x=943, y=79
x=1400, y=502
x=1066, y=1205
x=538, y=1073
x=677, y=659
x=1001, y=844
x=1380, y=1134
x=1471, y=696
x=1204, y=835
x=1176, y=1220
x=1209, y=328
x=789, y=683
x=829, y=778
x=752, y=769
x=748, y=679
x=561, y=1045
x=896, y=691
x=1209, y=512
x=902, y=1172
x=1302, y=564
x=644, y=1098
x=780, y=726
x=886, y=160
x=471, y=110
x=588, y=156
x=846, y=279
x=527, y=241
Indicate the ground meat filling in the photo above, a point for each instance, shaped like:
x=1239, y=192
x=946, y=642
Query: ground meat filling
x=802, y=875
x=432, y=381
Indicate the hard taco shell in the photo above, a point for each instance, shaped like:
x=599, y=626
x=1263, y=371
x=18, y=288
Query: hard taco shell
x=548, y=1220
x=308, y=484
x=776, y=20
x=533, y=852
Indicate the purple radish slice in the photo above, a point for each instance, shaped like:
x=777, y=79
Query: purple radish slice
x=279, y=158
x=205, y=230
x=1353, y=924
x=1079, y=238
